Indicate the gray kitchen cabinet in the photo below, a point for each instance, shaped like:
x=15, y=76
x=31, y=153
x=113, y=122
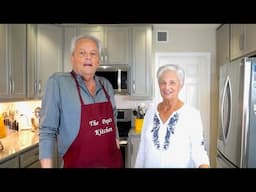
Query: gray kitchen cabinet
x=243, y=40
x=117, y=45
x=237, y=41
x=96, y=31
x=115, y=39
x=250, y=38
x=29, y=158
x=116, y=42
x=133, y=146
x=222, y=44
x=141, y=75
x=4, y=77
x=72, y=31
x=12, y=162
x=13, y=61
x=49, y=54
x=36, y=164
x=33, y=86
x=26, y=158
x=69, y=33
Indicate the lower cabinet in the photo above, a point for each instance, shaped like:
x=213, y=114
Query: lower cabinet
x=133, y=146
x=29, y=158
x=12, y=162
x=35, y=165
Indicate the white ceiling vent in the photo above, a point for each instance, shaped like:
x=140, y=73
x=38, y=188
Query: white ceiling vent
x=162, y=37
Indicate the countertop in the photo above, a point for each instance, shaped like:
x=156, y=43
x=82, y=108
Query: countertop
x=133, y=132
x=18, y=141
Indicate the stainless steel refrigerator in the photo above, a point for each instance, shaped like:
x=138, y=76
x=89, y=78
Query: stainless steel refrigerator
x=236, y=146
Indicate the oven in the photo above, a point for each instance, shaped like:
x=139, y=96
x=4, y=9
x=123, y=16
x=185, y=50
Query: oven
x=124, y=119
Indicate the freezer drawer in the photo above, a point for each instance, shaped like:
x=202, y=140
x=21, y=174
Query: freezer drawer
x=223, y=163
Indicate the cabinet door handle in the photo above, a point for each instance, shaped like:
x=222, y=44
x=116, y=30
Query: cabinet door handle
x=105, y=55
x=102, y=55
x=10, y=87
x=35, y=87
x=131, y=148
x=39, y=87
x=133, y=86
x=13, y=86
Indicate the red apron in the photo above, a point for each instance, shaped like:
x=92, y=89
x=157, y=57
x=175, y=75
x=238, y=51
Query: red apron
x=95, y=145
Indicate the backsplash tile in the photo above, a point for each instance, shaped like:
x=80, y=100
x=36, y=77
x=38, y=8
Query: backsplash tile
x=126, y=102
x=23, y=110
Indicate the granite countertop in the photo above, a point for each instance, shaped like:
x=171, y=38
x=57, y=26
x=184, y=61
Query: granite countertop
x=17, y=141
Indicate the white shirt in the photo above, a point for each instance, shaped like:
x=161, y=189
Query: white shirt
x=184, y=148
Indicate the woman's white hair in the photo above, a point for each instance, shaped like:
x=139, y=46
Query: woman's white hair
x=76, y=39
x=172, y=67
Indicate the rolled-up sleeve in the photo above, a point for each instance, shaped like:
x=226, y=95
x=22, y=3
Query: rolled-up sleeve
x=49, y=119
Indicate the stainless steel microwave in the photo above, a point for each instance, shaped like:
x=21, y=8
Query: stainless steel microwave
x=118, y=75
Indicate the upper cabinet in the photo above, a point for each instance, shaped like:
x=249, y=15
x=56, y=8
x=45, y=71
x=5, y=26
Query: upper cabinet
x=250, y=37
x=13, y=61
x=116, y=47
x=32, y=84
x=4, y=72
x=243, y=40
x=222, y=44
x=115, y=40
x=141, y=83
x=69, y=34
x=45, y=56
x=237, y=41
x=30, y=53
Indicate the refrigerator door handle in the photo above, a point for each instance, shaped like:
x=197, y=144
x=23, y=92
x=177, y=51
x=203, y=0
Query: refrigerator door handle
x=227, y=91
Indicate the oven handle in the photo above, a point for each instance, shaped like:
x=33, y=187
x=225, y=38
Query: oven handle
x=123, y=142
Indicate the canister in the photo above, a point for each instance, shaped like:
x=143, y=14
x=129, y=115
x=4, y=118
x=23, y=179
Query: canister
x=138, y=124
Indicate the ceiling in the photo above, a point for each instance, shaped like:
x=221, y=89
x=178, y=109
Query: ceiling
x=189, y=26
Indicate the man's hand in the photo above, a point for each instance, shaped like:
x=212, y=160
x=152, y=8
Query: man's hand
x=117, y=144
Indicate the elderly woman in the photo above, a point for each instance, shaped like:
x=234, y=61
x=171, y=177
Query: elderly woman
x=172, y=133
